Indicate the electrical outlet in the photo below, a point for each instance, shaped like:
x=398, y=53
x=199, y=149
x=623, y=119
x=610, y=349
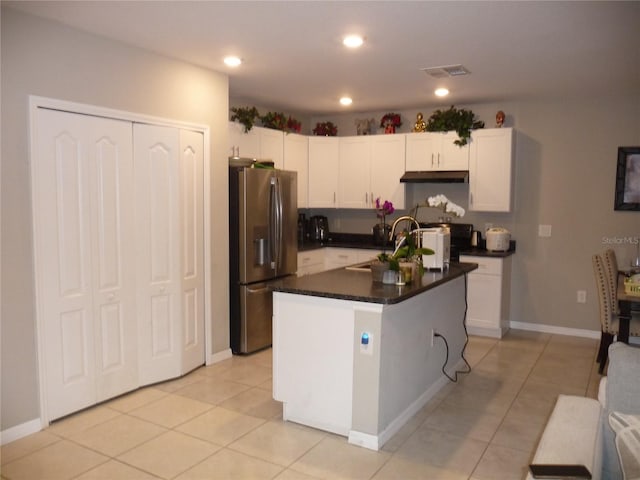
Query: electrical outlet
x=433, y=334
x=582, y=296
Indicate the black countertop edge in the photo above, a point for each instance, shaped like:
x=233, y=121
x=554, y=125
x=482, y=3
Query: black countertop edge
x=477, y=252
x=357, y=286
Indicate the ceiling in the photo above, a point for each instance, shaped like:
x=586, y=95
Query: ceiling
x=294, y=58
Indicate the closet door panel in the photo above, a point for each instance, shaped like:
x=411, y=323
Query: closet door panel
x=68, y=248
x=111, y=173
x=156, y=151
x=192, y=221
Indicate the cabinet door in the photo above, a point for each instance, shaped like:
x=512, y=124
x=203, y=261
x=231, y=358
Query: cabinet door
x=245, y=144
x=339, y=257
x=490, y=170
x=324, y=156
x=387, y=166
x=484, y=297
x=296, y=158
x=421, y=152
x=84, y=255
x=271, y=146
x=451, y=156
x=157, y=169
x=353, y=174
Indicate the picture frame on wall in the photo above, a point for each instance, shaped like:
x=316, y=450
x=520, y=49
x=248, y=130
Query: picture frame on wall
x=628, y=179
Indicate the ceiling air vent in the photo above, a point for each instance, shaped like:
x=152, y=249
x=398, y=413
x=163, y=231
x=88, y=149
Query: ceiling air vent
x=447, y=71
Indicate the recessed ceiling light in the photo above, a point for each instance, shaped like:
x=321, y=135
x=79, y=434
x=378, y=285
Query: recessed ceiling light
x=442, y=92
x=346, y=101
x=353, y=41
x=232, y=61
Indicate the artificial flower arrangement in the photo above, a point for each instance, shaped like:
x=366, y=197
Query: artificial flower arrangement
x=327, y=129
x=391, y=120
x=384, y=209
x=245, y=115
x=293, y=125
x=382, y=231
x=447, y=206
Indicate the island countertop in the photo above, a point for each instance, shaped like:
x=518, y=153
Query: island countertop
x=357, y=286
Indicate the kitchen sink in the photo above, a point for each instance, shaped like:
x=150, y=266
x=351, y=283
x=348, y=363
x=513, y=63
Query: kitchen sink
x=360, y=267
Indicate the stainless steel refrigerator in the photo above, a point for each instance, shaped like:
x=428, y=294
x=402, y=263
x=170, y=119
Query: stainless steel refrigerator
x=263, y=217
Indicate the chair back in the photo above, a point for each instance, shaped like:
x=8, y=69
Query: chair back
x=611, y=269
x=604, y=296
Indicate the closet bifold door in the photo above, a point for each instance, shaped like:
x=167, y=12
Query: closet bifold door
x=82, y=171
x=192, y=247
x=170, y=237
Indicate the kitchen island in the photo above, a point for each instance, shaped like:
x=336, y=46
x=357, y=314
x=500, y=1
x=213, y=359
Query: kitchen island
x=359, y=358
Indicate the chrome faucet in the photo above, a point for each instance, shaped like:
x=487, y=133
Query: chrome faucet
x=404, y=218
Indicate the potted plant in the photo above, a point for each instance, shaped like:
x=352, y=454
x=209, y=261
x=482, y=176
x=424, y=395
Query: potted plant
x=245, y=115
x=408, y=258
x=380, y=265
x=460, y=120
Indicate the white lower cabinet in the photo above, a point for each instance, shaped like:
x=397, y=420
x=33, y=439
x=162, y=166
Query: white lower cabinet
x=327, y=258
x=310, y=261
x=488, y=295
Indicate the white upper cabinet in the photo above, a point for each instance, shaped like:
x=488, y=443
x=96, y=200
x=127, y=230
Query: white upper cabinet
x=260, y=143
x=324, y=157
x=386, y=168
x=428, y=151
x=353, y=177
x=296, y=158
x=371, y=167
x=491, y=170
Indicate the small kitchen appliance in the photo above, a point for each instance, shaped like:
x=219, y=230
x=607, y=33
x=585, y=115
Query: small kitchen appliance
x=498, y=239
x=437, y=239
x=460, y=236
x=319, y=228
x=476, y=238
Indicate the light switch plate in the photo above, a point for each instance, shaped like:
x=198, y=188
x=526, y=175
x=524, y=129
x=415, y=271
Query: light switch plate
x=544, y=231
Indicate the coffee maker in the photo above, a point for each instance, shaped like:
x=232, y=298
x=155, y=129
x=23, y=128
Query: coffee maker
x=319, y=228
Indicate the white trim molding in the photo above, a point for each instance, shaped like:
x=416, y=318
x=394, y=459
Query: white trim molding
x=539, y=327
x=19, y=431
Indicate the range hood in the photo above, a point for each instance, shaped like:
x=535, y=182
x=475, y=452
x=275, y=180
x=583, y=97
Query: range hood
x=440, y=176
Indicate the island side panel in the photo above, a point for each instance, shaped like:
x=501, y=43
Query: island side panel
x=410, y=368
x=313, y=360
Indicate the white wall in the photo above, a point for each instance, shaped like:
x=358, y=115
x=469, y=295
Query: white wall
x=51, y=60
x=565, y=177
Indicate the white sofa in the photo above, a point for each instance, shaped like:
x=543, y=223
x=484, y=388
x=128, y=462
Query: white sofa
x=603, y=434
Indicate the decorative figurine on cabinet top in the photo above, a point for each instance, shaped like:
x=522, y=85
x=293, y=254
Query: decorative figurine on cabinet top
x=500, y=119
x=420, y=125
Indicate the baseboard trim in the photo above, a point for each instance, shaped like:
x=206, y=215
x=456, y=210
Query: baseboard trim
x=539, y=327
x=219, y=356
x=19, y=431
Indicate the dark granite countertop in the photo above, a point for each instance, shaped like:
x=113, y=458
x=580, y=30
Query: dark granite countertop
x=355, y=240
x=357, y=286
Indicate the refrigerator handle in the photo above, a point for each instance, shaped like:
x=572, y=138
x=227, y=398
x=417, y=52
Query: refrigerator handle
x=275, y=224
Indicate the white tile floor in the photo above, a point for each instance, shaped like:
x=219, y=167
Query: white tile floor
x=220, y=422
